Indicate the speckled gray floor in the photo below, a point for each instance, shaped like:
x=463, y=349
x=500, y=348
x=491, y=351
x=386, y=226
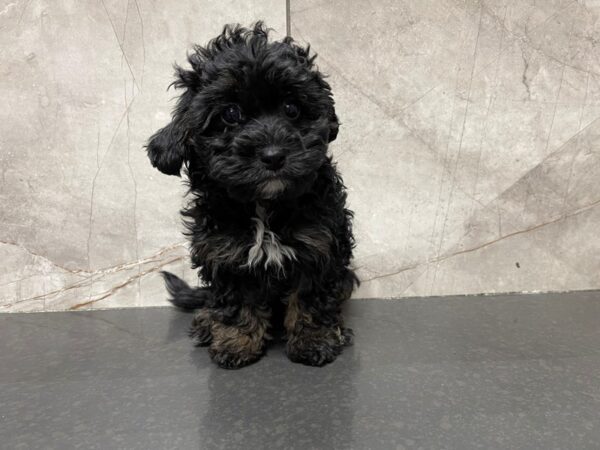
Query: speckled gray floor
x=518, y=372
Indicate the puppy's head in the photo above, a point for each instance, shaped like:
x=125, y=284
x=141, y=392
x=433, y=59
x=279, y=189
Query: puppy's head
x=255, y=117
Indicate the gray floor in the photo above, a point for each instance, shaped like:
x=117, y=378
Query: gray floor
x=518, y=372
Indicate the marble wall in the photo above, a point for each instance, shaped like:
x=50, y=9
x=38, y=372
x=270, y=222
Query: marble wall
x=469, y=142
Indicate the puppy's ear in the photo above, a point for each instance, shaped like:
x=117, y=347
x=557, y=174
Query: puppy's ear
x=334, y=124
x=166, y=149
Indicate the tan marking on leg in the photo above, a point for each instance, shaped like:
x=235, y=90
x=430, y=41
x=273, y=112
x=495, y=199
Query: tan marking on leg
x=294, y=316
x=200, y=331
x=242, y=343
x=202, y=317
x=309, y=342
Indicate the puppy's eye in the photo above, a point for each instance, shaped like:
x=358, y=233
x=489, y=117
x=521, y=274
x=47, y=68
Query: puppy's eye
x=232, y=115
x=291, y=110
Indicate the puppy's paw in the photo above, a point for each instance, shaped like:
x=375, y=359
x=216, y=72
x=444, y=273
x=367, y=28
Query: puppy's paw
x=317, y=347
x=313, y=354
x=228, y=359
x=346, y=336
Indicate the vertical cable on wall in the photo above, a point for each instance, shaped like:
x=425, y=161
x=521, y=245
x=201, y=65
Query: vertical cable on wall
x=288, y=24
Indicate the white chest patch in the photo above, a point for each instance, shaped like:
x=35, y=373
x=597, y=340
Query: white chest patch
x=267, y=249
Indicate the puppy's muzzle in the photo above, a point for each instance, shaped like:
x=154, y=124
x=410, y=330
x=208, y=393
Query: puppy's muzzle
x=273, y=157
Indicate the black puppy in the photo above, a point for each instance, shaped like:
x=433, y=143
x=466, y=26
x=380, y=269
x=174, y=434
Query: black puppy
x=267, y=220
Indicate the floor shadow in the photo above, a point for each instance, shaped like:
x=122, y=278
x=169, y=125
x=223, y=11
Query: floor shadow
x=276, y=403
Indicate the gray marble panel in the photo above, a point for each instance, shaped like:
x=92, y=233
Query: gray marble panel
x=469, y=141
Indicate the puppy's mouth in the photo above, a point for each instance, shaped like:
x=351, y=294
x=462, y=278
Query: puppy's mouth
x=272, y=188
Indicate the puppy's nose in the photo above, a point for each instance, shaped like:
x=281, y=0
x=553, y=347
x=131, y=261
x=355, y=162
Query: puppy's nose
x=272, y=157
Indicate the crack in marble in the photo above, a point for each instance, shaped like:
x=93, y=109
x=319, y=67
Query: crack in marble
x=524, y=79
x=131, y=264
x=412, y=282
x=460, y=145
x=491, y=101
x=120, y=44
x=309, y=8
x=527, y=31
x=29, y=277
x=546, y=158
x=445, y=169
x=102, y=271
x=137, y=6
x=37, y=255
x=90, y=222
x=564, y=63
x=102, y=295
x=124, y=35
x=577, y=149
x=135, y=191
x=120, y=286
x=526, y=37
x=443, y=258
x=560, y=84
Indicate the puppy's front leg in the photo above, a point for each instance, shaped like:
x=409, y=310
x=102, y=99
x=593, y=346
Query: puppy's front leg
x=315, y=336
x=239, y=340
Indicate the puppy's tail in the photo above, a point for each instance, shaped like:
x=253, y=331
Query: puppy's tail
x=184, y=296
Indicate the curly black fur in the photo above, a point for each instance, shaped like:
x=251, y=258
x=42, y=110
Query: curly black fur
x=267, y=219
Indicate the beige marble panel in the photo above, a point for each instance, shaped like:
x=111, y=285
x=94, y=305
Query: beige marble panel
x=85, y=221
x=470, y=140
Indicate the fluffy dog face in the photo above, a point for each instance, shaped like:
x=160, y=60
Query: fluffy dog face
x=255, y=117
